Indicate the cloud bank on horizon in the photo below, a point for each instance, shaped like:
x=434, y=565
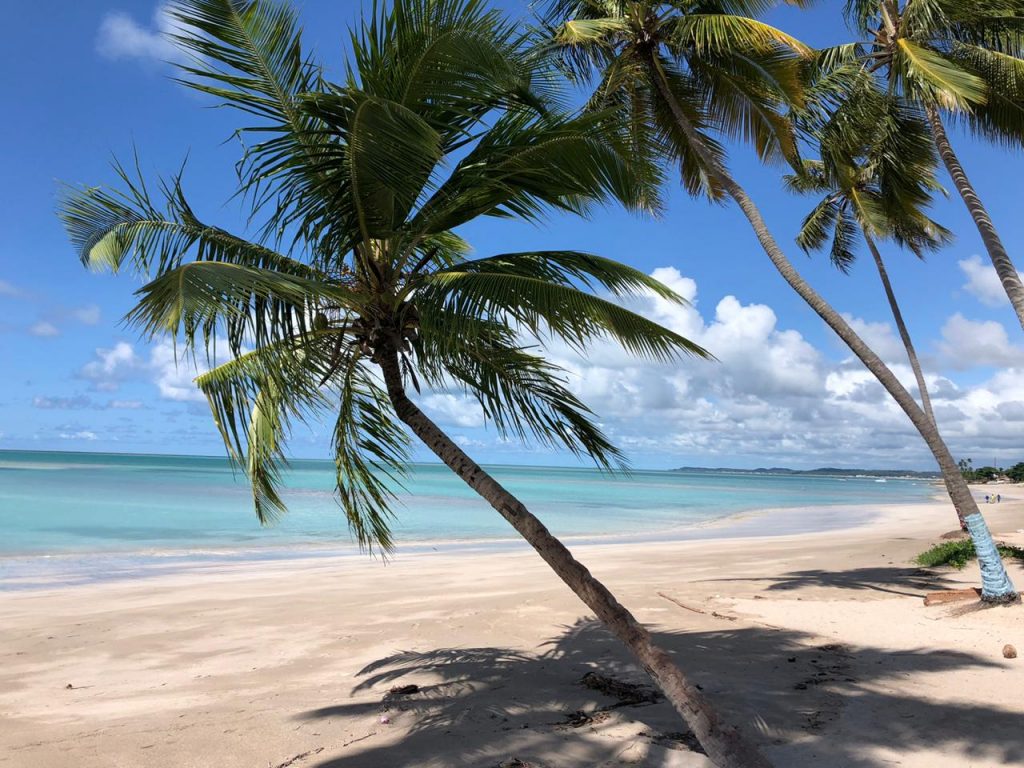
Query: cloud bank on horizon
x=774, y=396
x=771, y=396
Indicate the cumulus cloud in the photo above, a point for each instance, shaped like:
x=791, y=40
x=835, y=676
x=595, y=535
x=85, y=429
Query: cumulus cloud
x=126, y=405
x=772, y=398
x=880, y=336
x=81, y=434
x=970, y=343
x=62, y=403
x=112, y=367
x=174, y=379
x=44, y=329
x=454, y=409
x=88, y=315
x=121, y=37
x=983, y=282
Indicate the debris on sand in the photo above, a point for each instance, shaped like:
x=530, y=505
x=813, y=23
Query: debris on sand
x=628, y=694
x=404, y=690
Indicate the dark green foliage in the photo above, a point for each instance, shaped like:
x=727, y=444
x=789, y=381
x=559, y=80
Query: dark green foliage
x=446, y=113
x=958, y=553
x=1016, y=472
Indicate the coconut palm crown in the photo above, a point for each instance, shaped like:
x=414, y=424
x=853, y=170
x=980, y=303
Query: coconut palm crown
x=710, y=63
x=668, y=71
x=959, y=60
x=444, y=116
x=876, y=178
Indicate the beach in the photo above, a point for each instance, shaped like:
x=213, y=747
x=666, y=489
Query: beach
x=817, y=644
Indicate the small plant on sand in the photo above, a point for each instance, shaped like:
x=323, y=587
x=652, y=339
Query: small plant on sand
x=959, y=553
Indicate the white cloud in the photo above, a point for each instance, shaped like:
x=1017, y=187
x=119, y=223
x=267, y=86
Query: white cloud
x=453, y=410
x=8, y=289
x=112, y=367
x=174, y=378
x=88, y=315
x=121, y=37
x=44, y=329
x=969, y=343
x=772, y=398
x=126, y=405
x=61, y=403
x=82, y=434
x=880, y=336
x=983, y=281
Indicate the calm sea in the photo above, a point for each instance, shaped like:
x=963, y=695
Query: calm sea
x=67, y=506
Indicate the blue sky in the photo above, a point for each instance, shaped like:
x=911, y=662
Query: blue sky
x=88, y=83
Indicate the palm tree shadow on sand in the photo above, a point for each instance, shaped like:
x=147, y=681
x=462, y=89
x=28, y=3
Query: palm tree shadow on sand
x=894, y=580
x=485, y=706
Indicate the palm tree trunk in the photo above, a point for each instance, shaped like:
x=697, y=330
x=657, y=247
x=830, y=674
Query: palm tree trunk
x=996, y=585
x=908, y=345
x=897, y=315
x=1008, y=274
x=723, y=744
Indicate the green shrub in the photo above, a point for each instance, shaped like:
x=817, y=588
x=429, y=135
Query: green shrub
x=959, y=553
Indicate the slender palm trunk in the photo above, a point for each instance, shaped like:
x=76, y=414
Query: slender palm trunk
x=908, y=345
x=996, y=584
x=724, y=745
x=1008, y=274
x=897, y=315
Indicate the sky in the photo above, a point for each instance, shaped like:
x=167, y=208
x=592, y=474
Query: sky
x=89, y=81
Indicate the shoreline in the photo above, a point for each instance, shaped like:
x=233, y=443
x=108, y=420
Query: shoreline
x=817, y=644
x=53, y=570
x=21, y=572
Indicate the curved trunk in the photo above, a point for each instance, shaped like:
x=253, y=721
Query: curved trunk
x=724, y=745
x=908, y=345
x=897, y=315
x=1008, y=274
x=996, y=585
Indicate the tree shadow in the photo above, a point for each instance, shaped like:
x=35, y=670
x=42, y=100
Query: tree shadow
x=906, y=582
x=482, y=706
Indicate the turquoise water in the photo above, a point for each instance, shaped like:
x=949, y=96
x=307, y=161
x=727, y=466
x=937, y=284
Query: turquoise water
x=74, y=503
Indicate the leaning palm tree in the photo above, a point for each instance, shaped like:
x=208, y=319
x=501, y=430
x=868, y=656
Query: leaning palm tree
x=675, y=71
x=355, y=285
x=877, y=185
x=961, y=58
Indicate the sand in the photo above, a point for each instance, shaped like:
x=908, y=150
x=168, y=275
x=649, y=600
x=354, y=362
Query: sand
x=819, y=645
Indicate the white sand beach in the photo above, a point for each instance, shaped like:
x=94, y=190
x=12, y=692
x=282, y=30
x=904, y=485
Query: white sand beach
x=818, y=644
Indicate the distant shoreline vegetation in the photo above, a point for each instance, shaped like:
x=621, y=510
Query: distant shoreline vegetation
x=821, y=471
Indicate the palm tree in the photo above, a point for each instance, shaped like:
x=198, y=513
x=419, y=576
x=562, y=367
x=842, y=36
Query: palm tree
x=964, y=58
x=878, y=186
x=673, y=70
x=355, y=284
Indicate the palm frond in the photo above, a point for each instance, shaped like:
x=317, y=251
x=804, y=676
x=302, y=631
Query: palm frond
x=937, y=78
x=716, y=34
x=543, y=308
x=371, y=458
x=521, y=394
x=250, y=305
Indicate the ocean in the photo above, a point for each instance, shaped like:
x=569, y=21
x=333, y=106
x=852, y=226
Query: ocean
x=80, y=516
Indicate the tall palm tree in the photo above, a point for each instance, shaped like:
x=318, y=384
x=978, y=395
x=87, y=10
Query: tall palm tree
x=961, y=58
x=878, y=185
x=675, y=70
x=356, y=286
